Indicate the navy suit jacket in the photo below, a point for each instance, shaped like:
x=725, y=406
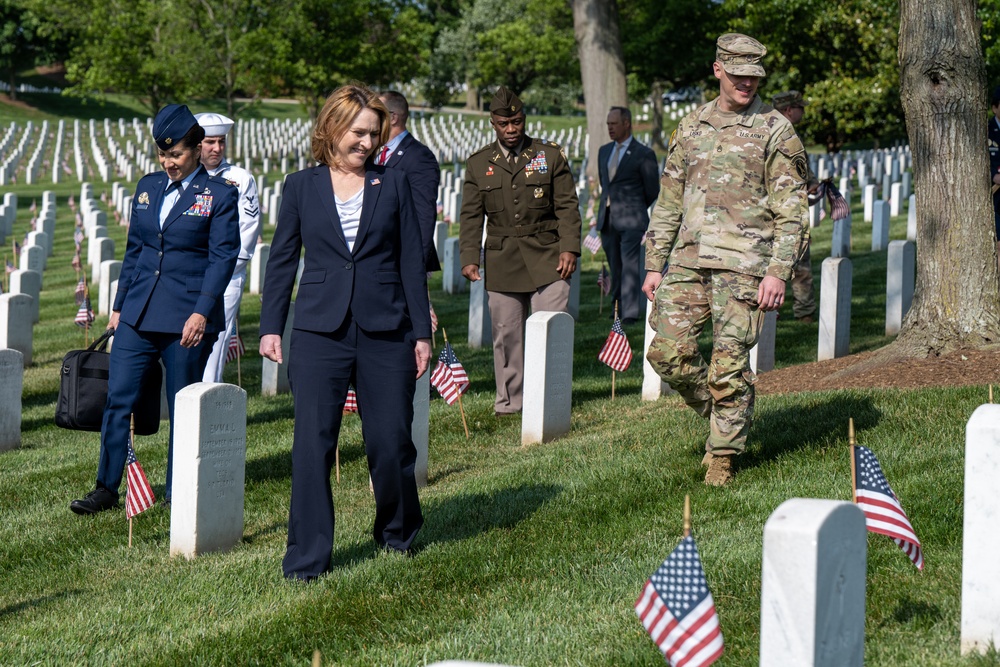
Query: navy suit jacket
x=422, y=169
x=382, y=283
x=634, y=188
x=169, y=274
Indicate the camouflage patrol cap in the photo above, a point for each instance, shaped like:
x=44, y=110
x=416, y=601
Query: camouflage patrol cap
x=505, y=103
x=740, y=55
x=789, y=98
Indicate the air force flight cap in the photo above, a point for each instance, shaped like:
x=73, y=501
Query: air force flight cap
x=740, y=55
x=215, y=124
x=171, y=124
x=505, y=103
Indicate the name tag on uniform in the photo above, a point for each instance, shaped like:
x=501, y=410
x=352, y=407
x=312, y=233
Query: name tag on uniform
x=202, y=206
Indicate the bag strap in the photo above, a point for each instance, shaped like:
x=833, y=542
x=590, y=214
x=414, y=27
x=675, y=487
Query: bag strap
x=101, y=343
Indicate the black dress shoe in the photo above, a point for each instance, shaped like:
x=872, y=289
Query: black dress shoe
x=98, y=500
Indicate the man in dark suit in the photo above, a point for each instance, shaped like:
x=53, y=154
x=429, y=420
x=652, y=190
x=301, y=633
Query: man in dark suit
x=629, y=186
x=183, y=240
x=404, y=152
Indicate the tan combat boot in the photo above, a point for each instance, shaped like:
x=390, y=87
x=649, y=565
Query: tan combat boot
x=720, y=470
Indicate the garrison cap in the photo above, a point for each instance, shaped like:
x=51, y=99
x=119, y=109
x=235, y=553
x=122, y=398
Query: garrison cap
x=505, y=103
x=171, y=124
x=789, y=98
x=740, y=55
x=215, y=124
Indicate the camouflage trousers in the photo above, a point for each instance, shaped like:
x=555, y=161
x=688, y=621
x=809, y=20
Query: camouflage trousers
x=803, y=298
x=721, y=390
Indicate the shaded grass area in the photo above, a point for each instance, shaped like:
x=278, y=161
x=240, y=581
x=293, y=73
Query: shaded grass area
x=529, y=555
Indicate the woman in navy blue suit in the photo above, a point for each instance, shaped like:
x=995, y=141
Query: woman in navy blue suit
x=361, y=317
x=183, y=240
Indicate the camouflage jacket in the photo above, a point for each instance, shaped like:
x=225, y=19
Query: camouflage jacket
x=732, y=194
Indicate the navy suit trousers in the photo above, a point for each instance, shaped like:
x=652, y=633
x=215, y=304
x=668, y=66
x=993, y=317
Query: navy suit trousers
x=382, y=367
x=623, y=251
x=131, y=354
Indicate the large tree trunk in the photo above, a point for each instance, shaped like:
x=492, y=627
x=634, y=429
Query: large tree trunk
x=656, y=132
x=602, y=68
x=956, y=303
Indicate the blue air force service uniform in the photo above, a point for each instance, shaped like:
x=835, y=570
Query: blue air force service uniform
x=170, y=271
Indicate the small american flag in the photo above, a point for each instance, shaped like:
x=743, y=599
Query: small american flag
x=76, y=263
x=449, y=377
x=10, y=267
x=33, y=207
x=71, y=201
x=883, y=513
x=84, y=316
x=678, y=612
x=235, y=347
x=616, y=351
x=839, y=209
x=434, y=318
x=604, y=280
x=592, y=241
x=81, y=292
x=139, y=494
x=351, y=404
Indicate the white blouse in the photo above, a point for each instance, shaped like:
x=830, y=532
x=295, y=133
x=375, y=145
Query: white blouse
x=350, y=216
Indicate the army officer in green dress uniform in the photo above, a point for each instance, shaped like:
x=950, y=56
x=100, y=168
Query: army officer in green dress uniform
x=523, y=190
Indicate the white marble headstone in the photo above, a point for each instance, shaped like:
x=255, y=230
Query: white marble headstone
x=835, y=308
x=900, y=278
x=274, y=377
x=110, y=270
x=30, y=283
x=762, y=354
x=812, y=607
x=480, y=324
x=453, y=282
x=209, y=469
x=653, y=385
x=16, y=325
x=880, y=226
x=981, y=532
x=11, y=383
x=258, y=264
x=548, y=377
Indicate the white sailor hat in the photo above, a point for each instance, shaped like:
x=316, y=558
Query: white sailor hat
x=215, y=124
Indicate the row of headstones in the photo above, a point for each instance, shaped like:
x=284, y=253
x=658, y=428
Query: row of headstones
x=813, y=573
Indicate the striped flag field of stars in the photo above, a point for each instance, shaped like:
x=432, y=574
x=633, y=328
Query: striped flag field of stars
x=449, y=377
x=139, y=494
x=883, y=513
x=678, y=612
x=616, y=352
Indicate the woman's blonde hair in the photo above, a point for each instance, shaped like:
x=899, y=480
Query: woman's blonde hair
x=336, y=116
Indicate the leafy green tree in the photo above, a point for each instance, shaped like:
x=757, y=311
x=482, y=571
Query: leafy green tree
x=25, y=41
x=373, y=41
x=842, y=55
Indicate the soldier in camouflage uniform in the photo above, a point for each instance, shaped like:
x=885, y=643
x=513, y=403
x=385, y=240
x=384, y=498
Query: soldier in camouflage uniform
x=729, y=224
x=792, y=106
x=523, y=190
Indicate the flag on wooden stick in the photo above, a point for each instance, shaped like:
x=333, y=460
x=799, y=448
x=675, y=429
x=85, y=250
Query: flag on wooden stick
x=449, y=377
x=678, y=611
x=139, y=494
x=235, y=347
x=616, y=352
x=883, y=512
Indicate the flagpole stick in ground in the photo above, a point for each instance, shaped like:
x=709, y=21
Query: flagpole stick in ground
x=851, y=443
x=613, y=370
x=687, y=516
x=461, y=408
x=991, y=393
x=433, y=331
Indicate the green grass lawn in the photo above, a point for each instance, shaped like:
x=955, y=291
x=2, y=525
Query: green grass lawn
x=529, y=555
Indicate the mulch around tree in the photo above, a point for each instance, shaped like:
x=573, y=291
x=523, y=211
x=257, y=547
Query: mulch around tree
x=968, y=367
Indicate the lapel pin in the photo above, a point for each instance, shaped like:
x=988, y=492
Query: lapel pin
x=375, y=181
